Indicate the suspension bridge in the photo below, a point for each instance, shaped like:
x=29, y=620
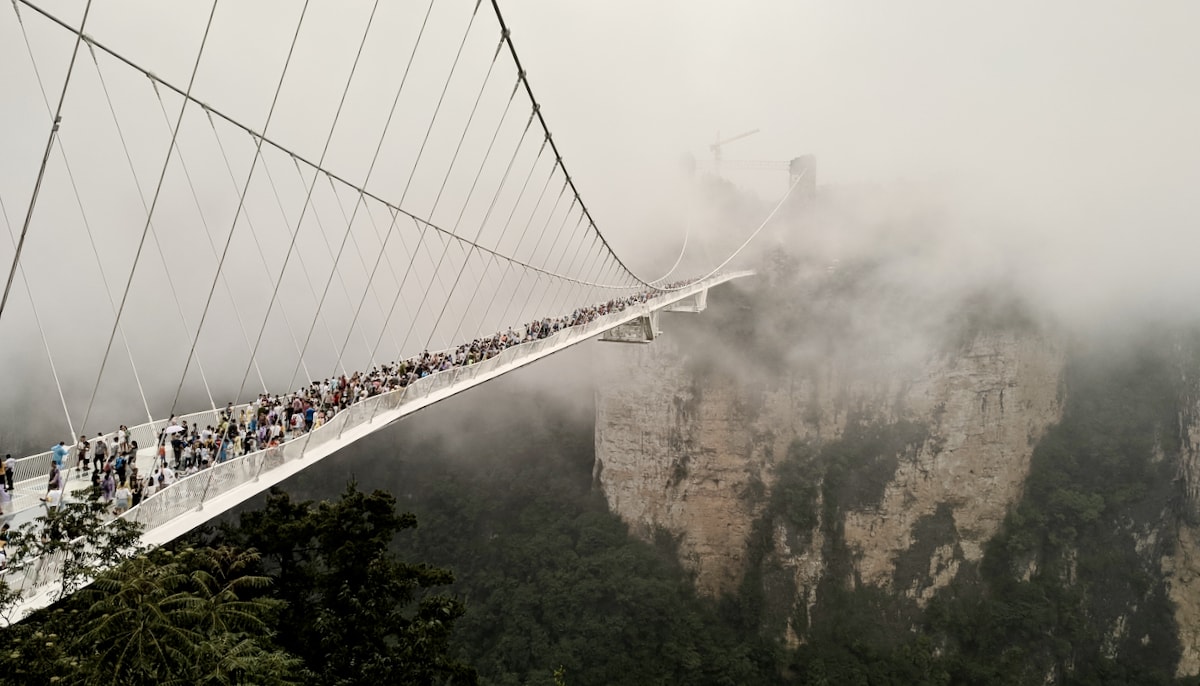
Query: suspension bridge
x=375, y=213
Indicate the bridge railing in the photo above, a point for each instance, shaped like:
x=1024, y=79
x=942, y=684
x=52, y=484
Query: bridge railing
x=193, y=491
x=32, y=466
x=38, y=575
x=30, y=473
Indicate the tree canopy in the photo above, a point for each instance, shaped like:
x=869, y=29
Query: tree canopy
x=323, y=601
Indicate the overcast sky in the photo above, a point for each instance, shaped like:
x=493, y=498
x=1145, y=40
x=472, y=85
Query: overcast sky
x=1067, y=128
x=1061, y=137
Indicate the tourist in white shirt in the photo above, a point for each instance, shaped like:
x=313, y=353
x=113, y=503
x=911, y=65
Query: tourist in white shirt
x=123, y=495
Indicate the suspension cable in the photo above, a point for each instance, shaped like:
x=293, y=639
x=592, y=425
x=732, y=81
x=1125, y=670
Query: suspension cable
x=558, y=156
x=153, y=233
x=62, y=151
x=417, y=161
x=503, y=232
x=146, y=229
x=566, y=247
x=471, y=191
x=258, y=247
x=37, y=186
x=266, y=165
x=233, y=225
x=308, y=200
x=761, y=226
x=316, y=214
x=38, y=320
x=266, y=140
x=687, y=231
x=521, y=239
x=361, y=200
x=562, y=191
x=362, y=261
x=558, y=233
x=487, y=215
x=437, y=200
x=570, y=290
x=203, y=220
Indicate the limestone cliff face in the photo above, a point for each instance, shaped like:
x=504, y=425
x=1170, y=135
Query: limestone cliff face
x=1181, y=566
x=691, y=451
x=676, y=454
x=986, y=408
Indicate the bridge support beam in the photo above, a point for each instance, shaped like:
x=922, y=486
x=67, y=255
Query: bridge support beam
x=697, y=302
x=641, y=330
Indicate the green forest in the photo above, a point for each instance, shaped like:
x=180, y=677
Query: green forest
x=470, y=545
x=511, y=571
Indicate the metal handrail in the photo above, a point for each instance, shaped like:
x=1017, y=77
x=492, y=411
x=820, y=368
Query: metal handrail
x=193, y=491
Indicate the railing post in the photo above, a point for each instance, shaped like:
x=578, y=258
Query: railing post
x=378, y=401
x=342, y=428
x=307, y=438
x=262, y=462
x=212, y=471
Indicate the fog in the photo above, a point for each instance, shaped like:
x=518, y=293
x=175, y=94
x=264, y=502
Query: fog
x=1057, y=143
x=1048, y=149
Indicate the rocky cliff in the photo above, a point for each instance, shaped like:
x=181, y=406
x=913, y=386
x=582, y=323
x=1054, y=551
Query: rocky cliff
x=803, y=454
x=1181, y=561
x=694, y=456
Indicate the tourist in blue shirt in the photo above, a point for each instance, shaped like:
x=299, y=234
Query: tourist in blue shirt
x=60, y=453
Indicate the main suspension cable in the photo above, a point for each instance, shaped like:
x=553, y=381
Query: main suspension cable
x=266, y=140
x=558, y=156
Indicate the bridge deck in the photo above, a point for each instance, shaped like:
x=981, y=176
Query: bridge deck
x=195, y=499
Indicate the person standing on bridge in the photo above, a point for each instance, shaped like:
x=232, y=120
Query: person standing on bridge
x=108, y=487
x=123, y=496
x=81, y=451
x=177, y=448
x=100, y=453
x=297, y=422
x=59, y=453
x=10, y=466
x=54, y=483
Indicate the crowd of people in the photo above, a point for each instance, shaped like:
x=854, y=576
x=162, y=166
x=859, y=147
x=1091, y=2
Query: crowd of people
x=183, y=450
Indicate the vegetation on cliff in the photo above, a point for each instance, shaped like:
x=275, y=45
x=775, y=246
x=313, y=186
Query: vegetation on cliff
x=1072, y=586
x=552, y=579
x=852, y=633
x=549, y=587
x=1070, y=591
